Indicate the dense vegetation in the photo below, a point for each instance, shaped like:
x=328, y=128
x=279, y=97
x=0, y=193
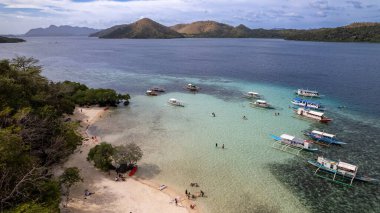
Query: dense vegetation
x=104, y=155
x=10, y=40
x=33, y=133
x=351, y=33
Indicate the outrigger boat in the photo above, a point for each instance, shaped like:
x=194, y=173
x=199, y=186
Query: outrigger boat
x=158, y=89
x=289, y=143
x=252, y=95
x=308, y=93
x=307, y=104
x=175, y=102
x=346, y=170
x=262, y=104
x=192, y=87
x=324, y=137
x=151, y=93
x=319, y=116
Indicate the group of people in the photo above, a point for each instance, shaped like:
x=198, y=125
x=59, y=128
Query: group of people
x=119, y=177
x=276, y=113
x=216, y=145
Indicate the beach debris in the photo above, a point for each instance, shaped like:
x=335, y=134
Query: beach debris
x=162, y=187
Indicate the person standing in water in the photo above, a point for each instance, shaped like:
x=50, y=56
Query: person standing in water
x=213, y=114
x=216, y=145
x=223, y=146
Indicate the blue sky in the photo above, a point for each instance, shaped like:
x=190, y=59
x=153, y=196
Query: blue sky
x=18, y=16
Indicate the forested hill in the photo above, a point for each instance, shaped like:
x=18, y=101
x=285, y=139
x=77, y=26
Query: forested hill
x=10, y=40
x=33, y=135
x=356, y=32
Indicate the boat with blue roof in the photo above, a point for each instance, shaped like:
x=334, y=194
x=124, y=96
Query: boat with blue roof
x=308, y=104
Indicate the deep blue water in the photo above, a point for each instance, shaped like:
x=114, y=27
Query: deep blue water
x=346, y=72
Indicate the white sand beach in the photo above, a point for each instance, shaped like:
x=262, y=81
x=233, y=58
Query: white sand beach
x=131, y=195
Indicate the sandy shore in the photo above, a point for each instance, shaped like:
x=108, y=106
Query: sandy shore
x=132, y=195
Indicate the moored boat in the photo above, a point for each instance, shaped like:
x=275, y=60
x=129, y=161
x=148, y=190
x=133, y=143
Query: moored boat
x=308, y=93
x=151, y=93
x=192, y=87
x=324, y=137
x=262, y=104
x=291, y=141
x=175, y=102
x=319, y=116
x=252, y=95
x=339, y=168
x=157, y=89
x=308, y=104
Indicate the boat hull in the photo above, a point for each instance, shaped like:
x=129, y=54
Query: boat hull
x=276, y=138
x=332, y=171
x=324, y=139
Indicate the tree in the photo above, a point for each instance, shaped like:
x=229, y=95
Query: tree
x=101, y=155
x=70, y=177
x=129, y=154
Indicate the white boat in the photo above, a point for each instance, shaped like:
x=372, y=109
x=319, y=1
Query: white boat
x=319, y=116
x=151, y=93
x=262, y=104
x=308, y=93
x=252, y=95
x=291, y=141
x=192, y=87
x=175, y=102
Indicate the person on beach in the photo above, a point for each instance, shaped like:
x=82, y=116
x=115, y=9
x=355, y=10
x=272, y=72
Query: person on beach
x=186, y=191
x=176, y=201
x=202, y=193
x=192, y=206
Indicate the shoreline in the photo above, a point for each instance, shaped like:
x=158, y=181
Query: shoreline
x=134, y=196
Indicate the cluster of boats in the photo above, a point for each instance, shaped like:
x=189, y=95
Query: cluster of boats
x=154, y=91
x=259, y=102
x=288, y=143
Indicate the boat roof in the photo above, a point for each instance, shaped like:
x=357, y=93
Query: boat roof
x=287, y=137
x=149, y=91
x=320, y=114
x=347, y=166
x=323, y=133
x=306, y=90
x=254, y=93
x=172, y=99
x=306, y=101
x=261, y=101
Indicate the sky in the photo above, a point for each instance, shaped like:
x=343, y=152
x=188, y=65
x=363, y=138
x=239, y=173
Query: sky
x=18, y=16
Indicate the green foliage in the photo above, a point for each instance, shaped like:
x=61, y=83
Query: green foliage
x=101, y=155
x=131, y=153
x=70, y=176
x=33, y=207
x=33, y=135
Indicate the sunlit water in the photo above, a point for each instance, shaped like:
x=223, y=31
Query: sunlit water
x=179, y=143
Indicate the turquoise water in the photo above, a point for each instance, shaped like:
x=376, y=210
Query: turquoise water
x=179, y=146
x=179, y=143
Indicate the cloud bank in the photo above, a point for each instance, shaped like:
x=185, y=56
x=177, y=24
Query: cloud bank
x=18, y=16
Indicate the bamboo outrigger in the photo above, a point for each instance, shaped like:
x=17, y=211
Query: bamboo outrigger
x=346, y=170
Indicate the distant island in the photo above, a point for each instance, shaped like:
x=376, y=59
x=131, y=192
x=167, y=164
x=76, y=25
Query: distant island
x=143, y=28
x=64, y=30
x=10, y=40
x=149, y=29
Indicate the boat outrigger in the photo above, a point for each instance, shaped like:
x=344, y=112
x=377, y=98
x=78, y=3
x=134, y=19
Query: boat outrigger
x=262, y=104
x=252, y=95
x=308, y=93
x=291, y=144
x=175, y=102
x=346, y=170
x=319, y=116
x=192, y=87
x=307, y=104
x=324, y=137
x=151, y=93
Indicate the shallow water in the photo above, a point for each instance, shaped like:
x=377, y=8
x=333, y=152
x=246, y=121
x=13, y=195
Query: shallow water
x=179, y=143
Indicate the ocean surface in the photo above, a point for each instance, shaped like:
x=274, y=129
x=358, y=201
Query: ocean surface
x=248, y=175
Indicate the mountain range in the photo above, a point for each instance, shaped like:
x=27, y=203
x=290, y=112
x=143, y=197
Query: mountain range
x=64, y=30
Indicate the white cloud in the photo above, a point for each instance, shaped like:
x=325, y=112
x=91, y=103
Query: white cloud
x=26, y=14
